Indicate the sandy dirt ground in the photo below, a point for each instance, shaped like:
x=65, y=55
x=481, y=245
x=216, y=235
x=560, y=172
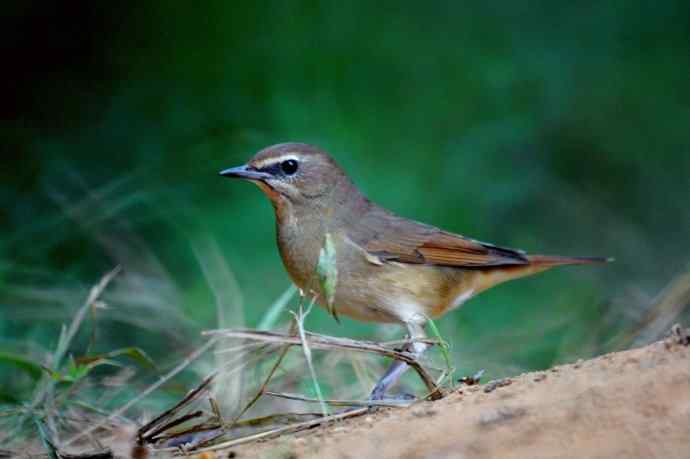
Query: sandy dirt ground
x=631, y=404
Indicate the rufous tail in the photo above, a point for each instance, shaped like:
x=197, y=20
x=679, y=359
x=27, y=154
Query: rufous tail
x=485, y=279
x=547, y=260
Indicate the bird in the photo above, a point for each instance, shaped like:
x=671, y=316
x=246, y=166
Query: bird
x=389, y=269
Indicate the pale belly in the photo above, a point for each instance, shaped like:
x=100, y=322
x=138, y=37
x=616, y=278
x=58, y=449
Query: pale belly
x=405, y=293
x=387, y=292
x=391, y=292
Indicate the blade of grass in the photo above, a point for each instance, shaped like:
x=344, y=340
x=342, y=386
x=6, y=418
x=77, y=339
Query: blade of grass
x=299, y=319
x=30, y=367
x=94, y=294
x=47, y=383
x=269, y=320
x=184, y=364
x=445, y=347
x=229, y=311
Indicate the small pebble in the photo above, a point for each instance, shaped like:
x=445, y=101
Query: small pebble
x=579, y=363
x=539, y=377
x=500, y=415
x=424, y=412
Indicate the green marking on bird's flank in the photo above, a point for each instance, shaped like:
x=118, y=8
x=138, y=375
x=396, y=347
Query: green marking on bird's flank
x=327, y=270
x=445, y=347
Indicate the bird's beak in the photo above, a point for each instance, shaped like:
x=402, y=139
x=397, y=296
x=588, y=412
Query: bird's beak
x=245, y=172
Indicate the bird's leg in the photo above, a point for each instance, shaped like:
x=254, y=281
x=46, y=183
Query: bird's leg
x=399, y=367
x=389, y=378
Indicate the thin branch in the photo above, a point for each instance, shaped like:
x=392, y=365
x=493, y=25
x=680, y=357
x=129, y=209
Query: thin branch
x=275, y=432
x=327, y=342
x=171, y=424
x=190, y=397
x=262, y=389
x=277, y=418
x=220, y=428
x=241, y=347
x=391, y=403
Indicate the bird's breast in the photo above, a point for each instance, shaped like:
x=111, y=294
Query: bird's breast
x=299, y=243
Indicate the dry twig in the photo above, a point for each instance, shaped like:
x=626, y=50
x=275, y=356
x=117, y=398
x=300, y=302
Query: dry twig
x=328, y=342
x=275, y=432
x=192, y=395
x=391, y=403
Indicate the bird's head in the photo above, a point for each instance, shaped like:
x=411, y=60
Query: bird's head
x=296, y=172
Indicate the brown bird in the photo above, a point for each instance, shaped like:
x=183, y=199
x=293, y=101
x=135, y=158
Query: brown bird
x=389, y=269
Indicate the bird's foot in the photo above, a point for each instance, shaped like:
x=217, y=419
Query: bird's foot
x=401, y=397
x=380, y=399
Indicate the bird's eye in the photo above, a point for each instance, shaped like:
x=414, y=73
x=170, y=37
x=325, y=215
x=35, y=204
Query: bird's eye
x=289, y=166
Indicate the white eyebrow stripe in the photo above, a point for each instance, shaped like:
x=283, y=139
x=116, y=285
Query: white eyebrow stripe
x=277, y=160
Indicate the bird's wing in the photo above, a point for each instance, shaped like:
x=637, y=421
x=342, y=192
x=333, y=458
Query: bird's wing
x=393, y=238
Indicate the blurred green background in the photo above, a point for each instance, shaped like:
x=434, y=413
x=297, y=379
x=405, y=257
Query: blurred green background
x=556, y=127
